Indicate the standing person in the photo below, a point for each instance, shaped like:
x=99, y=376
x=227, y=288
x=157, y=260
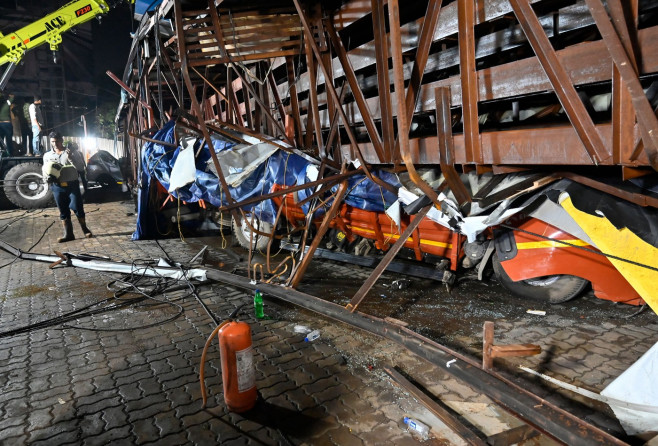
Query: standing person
x=26, y=127
x=36, y=118
x=6, y=129
x=16, y=112
x=61, y=168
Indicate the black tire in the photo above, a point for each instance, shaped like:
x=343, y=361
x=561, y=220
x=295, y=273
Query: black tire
x=551, y=289
x=242, y=233
x=24, y=186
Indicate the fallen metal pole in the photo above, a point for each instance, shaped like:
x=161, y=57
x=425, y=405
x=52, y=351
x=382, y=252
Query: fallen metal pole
x=533, y=410
x=466, y=434
x=108, y=265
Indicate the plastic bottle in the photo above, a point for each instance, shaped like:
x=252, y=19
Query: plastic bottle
x=312, y=336
x=258, y=305
x=422, y=430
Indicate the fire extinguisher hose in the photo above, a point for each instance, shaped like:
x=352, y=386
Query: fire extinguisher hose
x=205, y=350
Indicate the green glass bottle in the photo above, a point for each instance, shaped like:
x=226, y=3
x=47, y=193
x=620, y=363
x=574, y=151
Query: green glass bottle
x=258, y=305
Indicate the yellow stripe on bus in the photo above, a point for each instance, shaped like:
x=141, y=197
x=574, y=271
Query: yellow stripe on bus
x=550, y=244
x=397, y=236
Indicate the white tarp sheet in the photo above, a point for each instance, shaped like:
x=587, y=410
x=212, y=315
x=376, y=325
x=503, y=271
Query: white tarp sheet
x=637, y=385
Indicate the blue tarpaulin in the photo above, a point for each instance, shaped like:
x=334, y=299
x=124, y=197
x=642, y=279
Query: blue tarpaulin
x=281, y=168
x=142, y=6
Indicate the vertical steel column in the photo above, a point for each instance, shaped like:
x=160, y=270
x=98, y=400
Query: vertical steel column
x=294, y=99
x=646, y=117
x=403, y=120
x=229, y=96
x=560, y=81
x=623, y=115
x=182, y=53
x=388, y=258
x=446, y=149
x=359, y=98
x=322, y=230
x=332, y=91
x=469, y=80
x=383, y=81
x=314, y=111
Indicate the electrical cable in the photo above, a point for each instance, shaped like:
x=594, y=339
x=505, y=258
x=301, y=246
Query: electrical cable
x=571, y=245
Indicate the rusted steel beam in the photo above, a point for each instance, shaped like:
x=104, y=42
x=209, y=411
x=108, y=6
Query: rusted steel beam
x=637, y=198
x=587, y=63
x=239, y=120
x=530, y=408
x=383, y=80
x=275, y=96
x=357, y=93
x=294, y=99
x=560, y=81
x=314, y=111
x=491, y=351
x=446, y=150
x=422, y=54
x=133, y=94
x=447, y=27
x=532, y=146
x=388, y=258
x=332, y=91
x=645, y=114
x=469, y=436
x=219, y=36
x=420, y=61
x=512, y=436
x=469, y=80
x=231, y=98
x=264, y=95
x=195, y=104
x=623, y=114
x=322, y=230
x=264, y=108
x=333, y=128
x=325, y=47
x=403, y=119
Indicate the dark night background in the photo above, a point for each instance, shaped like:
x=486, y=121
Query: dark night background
x=77, y=84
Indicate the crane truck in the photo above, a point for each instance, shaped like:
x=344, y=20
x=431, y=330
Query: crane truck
x=21, y=176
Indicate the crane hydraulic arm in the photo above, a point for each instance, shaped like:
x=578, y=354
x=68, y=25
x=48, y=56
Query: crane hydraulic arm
x=49, y=29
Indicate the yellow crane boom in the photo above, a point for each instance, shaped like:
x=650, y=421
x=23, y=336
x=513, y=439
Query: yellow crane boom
x=50, y=28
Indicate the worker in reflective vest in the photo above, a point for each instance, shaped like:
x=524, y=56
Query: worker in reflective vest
x=61, y=168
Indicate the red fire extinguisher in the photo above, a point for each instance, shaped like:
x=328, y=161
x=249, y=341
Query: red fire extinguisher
x=238, y=371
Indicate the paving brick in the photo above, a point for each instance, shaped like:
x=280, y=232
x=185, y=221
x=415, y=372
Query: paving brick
x=123, y=433
x=114, y=417
x=168, y=423
x=60, y=438
x=38, y=419
x=344, y=437
x=8, y=433
x=92, y=425
x=200, y=435
x=145, y=431
x=148, y=411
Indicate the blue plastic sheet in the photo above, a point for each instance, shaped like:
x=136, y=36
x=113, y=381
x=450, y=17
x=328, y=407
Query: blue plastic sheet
x=281, y=168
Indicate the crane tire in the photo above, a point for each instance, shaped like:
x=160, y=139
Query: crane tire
x=23, y=186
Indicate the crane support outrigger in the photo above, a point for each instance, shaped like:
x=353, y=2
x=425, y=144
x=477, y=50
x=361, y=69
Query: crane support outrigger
x=50, y=28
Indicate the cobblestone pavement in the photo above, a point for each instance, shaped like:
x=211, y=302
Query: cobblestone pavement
x=74, y=384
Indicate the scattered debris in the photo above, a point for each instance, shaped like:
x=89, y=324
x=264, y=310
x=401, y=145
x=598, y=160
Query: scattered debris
x=537, y=312
x=312, y=336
